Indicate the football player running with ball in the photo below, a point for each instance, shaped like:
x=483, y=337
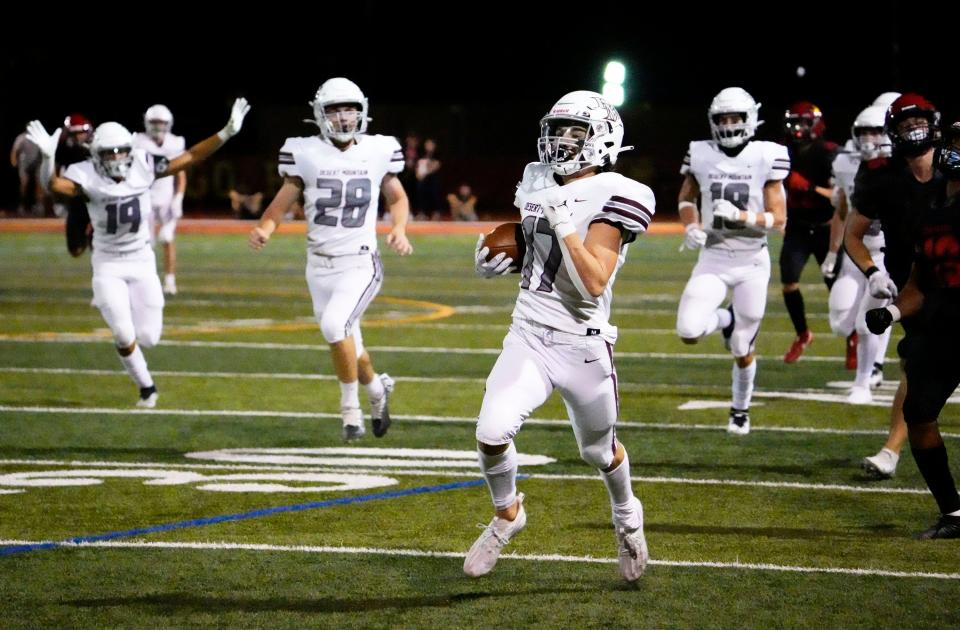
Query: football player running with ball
x=578, y=218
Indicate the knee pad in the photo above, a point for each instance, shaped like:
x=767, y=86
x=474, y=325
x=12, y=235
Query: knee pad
x=493, y=430
x=332, y=327
x=839, y=323
x=167, y=232
x=599, y=455
x=148, y=339
x=124, y=336
x=690, y=326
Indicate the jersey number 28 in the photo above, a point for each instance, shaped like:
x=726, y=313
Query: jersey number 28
x=355, y=201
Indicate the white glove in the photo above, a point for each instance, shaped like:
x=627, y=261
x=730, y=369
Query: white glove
x=881, y=286
x=696, y=237
x=237, y=112
x=45, y=142
x=497, y=266
x=828, y=268
x=558, y=214
x=726, y=210
x=176, y=206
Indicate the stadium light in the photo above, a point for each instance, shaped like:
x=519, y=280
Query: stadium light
x=614, y=74
x=613, y=93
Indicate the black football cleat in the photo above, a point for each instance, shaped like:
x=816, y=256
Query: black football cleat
x=946, y=527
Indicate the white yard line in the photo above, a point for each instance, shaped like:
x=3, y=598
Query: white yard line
x=786, y=485
x=673, y=356
x=318, y=415
x=425, y=553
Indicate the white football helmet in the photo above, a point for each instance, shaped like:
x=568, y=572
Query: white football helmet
x=112, y=150
x=868, y=135
x=581, y=130
x=157, y=122
x=733, y=100
x=885, y=99
x=340, y=127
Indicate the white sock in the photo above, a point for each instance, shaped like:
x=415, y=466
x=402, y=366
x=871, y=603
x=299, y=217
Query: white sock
x=882, y=349
x=349, y=398
x=743, y=384
x=375, y=389
x=501, y=474
x=136, y=366
x=621, y=495
x=169, y=278
x=867, y=348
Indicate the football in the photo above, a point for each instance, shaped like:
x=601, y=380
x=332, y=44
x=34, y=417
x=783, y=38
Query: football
x=507, y=237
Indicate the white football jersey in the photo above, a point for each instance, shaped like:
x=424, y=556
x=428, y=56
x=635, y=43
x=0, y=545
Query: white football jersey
x=118, y=210
x=547, y=294
x=845, y=167
x=341, y=189
x=173, y=146
x=740, y=180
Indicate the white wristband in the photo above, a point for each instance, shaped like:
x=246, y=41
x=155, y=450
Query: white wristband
x=223, y=134
x=768, y=220
x=751, y=218
x=894, y=311
x=686, y=204
x=563, y=230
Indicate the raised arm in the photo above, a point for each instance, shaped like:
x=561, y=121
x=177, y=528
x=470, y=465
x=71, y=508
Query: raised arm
x=205, y=148
x=47, y=144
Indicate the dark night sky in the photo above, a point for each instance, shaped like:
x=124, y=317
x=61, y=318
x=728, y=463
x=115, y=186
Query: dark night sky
x=491, y=71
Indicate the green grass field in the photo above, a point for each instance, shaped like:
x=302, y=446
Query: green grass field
x=776, y=529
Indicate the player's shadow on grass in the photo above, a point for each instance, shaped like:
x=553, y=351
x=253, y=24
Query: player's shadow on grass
x=669, y=468
x=880, y=530
x=100, y=452
x=190, y=602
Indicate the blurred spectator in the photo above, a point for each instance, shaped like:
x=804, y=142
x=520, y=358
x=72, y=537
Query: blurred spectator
x=246, y=206
x=25, y=157
x=408, y=177
x=463, y=204
x=73, y=148
x=428, y=181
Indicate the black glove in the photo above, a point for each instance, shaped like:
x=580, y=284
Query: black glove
x=878, y=320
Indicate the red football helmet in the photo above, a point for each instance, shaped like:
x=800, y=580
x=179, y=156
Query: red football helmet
x=77, y=123
x=913, y=124
x=803, y=122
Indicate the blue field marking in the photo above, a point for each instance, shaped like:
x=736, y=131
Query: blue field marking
x=242, y=516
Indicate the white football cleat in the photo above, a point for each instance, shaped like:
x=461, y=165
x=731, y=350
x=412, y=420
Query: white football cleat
x=883, y=465
x=859, y=395
x=148, y=397
x=876, y=376
x=632, y=549
x=483, y=555
x=379, y=409
x=739, y=422
x=352, y=424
